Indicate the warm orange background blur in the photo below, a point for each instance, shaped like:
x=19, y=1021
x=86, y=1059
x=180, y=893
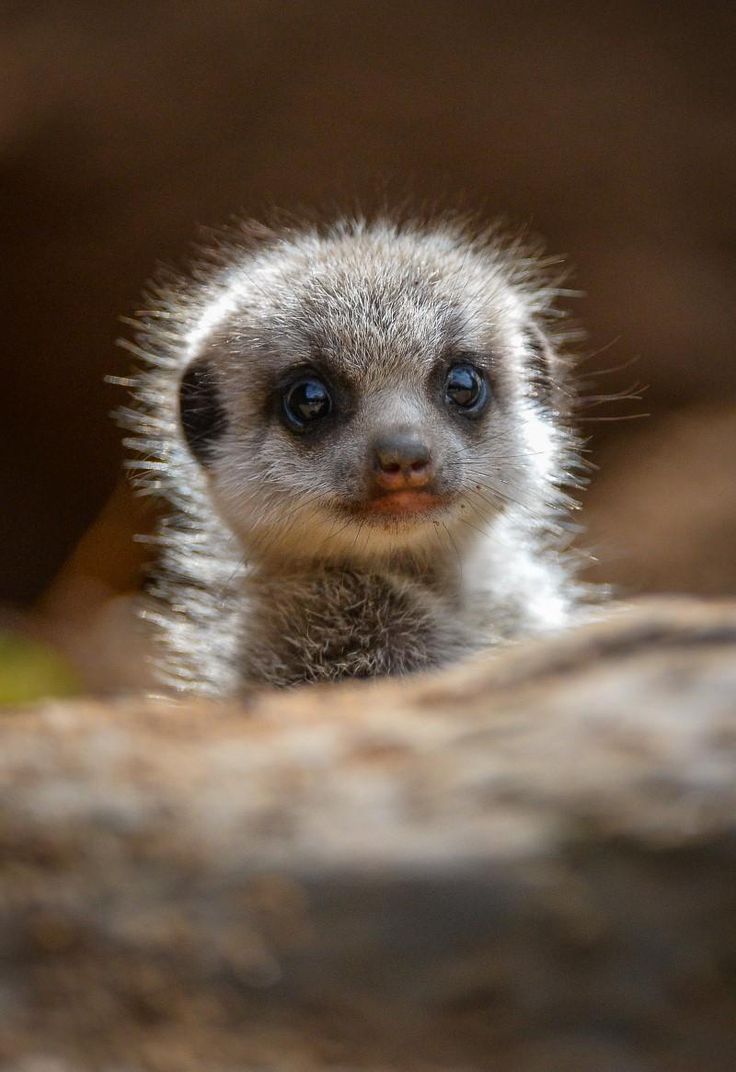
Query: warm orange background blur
x=607, y=127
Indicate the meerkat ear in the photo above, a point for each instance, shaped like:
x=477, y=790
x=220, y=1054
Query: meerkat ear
x=545, y=367
x=202, y=415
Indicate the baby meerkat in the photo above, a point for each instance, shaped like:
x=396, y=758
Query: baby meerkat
x=362, y=432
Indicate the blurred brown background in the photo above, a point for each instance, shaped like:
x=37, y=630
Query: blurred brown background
x=609, y=128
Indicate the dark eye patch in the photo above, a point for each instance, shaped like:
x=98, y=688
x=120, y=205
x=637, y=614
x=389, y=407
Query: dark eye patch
x=203, y=417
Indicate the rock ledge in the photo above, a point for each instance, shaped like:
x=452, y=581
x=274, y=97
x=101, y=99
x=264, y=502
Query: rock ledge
x=526, y=864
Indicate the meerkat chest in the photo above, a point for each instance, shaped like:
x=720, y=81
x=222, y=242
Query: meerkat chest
x=341, y=623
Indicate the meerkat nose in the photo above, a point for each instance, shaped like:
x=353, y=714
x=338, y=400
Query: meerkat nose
x=401, y=459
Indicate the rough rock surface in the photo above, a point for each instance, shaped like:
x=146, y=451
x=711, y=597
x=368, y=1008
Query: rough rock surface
x=526, y=864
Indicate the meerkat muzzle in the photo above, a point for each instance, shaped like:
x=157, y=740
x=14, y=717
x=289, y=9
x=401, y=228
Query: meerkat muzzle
x=403, y=502
x=402, y=461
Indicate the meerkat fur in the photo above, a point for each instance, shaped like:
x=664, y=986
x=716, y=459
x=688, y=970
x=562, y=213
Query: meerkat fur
x=362, y=434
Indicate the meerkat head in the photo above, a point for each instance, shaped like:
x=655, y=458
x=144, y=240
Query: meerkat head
x=371, y=390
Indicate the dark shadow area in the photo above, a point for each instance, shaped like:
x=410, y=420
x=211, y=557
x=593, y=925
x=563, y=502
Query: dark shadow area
x=608, y=129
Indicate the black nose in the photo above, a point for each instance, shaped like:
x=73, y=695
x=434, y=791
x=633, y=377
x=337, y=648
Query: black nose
x=401, y=458
x=401, y=450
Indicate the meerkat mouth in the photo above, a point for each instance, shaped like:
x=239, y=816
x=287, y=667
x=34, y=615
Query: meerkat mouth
x=407, y=505
x=404, y=502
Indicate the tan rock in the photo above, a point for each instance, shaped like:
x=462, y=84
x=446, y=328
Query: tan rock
x=524, y=864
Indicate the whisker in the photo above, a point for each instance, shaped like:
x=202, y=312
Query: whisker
x=470, y=525
x=622, y=417
x=455, y=547
x=601, y=350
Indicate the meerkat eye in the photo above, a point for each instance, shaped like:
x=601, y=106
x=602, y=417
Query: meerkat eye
x=306, y=401
x=466, y=388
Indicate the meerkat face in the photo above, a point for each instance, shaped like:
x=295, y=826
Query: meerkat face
x=368, y=393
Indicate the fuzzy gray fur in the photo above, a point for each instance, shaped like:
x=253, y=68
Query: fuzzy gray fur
x=262, y=579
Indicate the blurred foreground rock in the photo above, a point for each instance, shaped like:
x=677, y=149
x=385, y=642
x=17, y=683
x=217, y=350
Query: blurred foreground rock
x=527, y=864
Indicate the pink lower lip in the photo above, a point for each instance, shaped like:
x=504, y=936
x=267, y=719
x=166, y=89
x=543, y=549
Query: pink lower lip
x=403, y=502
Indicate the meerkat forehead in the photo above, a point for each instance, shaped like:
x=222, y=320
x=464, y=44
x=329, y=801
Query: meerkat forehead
x=369, y=299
